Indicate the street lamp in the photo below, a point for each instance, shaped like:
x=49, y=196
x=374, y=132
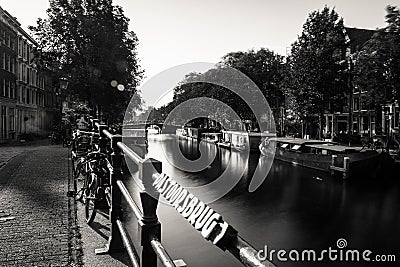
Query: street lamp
x=63, y=83
x=63, y=87
x=387, y=124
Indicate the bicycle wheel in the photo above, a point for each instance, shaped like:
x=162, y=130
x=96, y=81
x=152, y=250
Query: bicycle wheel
x=90, y=197
x=79, y=167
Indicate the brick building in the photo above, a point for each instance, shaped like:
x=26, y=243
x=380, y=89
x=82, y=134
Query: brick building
x=354, y=116
x=29, y=101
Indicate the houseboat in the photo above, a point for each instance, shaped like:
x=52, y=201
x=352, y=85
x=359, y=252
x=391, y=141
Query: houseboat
x=241, y=140
x=211, y=137
x=323, y=155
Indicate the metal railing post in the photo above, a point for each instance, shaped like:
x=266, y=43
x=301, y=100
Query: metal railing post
x=149, y=226
x=103, y=140
x=115, y=242
x=92, y=125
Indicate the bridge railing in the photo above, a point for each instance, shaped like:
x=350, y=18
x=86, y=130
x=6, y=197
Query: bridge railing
x=154, y=183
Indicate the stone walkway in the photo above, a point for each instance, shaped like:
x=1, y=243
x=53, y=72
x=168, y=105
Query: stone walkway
x=34, y=209
x=8, y=151
x=38, y=221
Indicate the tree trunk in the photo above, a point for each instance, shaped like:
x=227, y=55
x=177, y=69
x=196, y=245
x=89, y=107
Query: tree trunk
x=321, y=129
x=305, y=129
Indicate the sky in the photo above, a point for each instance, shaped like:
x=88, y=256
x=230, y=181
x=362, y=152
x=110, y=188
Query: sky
x=176, y=32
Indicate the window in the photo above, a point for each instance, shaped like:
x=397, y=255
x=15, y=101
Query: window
x=28, y=98
x=8, y=41
x=23, y=95
x=28, y=49
x=28, y=73
x=3, y=88
x=20, y=71
x=34, y=77
x=296, y=147
x=11, y=122
x=19, y=47
x=12, y=65
x=7, y=89
x=365, y=123
x=27, y=52
x=12, y=43
x=2, y=60
x=19, y=89
x=12, y=91
x=4, y=121
x=363, y=104
x=7, y=65
x=24, y=50
x=23, y=72
x=356, y=103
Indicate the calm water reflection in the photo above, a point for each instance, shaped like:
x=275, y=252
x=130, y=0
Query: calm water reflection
x=295, y=208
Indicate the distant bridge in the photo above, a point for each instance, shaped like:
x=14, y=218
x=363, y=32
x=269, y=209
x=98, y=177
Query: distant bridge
x=146, y=124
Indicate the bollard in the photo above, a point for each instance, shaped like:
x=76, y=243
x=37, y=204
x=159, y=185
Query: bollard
x=92, y=125
x=149, y=226
x=334, y=160
x=346, y=167
x=115, y=242
x=103, y=140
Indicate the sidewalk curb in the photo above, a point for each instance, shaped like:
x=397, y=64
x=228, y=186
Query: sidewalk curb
x=75, y=243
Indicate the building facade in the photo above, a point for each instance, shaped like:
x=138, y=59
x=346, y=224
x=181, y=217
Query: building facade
x=8, y=57
x=29, y=101
x=354, y=116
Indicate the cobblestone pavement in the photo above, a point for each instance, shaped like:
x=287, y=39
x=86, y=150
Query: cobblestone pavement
x=95, y=236
x=7, y=152
x=38, y=221
x=34, y=207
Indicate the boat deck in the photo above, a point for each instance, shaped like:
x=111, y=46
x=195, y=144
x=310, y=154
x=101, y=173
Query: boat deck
x=299, y=141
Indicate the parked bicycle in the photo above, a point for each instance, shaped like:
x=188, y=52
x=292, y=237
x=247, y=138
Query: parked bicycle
x=91, y=169
x=55, y=138
x=96, y=188
x=81, y=146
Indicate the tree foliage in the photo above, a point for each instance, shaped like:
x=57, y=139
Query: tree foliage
x=377, y=68
x=89, y=43
x=263, y=67
x=316, y=76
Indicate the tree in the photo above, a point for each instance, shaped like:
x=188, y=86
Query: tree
x=89, y=43
x=377, y=68
x=316, y=74
x=263, y=67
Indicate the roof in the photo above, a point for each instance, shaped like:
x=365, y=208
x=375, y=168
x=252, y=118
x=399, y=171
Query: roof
x=299, y=141
x=336, y=148
x=320, y=144
x=19, y=30
x=358, y=37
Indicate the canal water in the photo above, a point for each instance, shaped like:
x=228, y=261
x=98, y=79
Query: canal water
x=295, y=208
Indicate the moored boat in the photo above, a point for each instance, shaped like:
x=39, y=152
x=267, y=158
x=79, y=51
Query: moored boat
x=211, y=137
x=325, y=156
x=242, y=140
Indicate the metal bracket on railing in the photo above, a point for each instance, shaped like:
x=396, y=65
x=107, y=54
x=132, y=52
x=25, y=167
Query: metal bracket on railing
x=103, y=140
x=115, y=242
x=149, y=226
